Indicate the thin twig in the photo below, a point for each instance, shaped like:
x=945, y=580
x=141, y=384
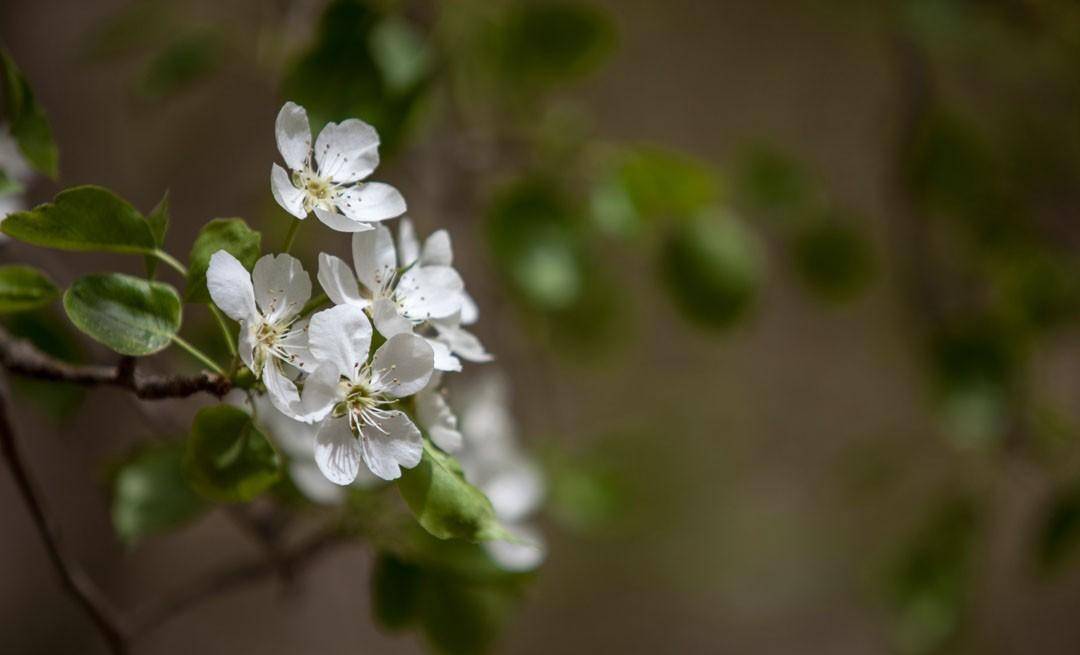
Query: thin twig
x=20, y=357
x=77, y=583
x=229, y=578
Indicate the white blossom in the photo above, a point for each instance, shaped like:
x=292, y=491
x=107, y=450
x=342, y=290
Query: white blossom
x=327, y=179
x=436, y=417
x=421, y=293
x=296, y=440
x=267, y=305
x=355, y=397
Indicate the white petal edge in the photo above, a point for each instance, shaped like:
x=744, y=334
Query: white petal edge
x=347, y=151
x=340, y=335
x=337, y=452
x=394, y=444
x=371, y=202
x=282, y=286
x=437, y=250
x=339, y=282
x=340, y=223
x=288, y=196
x=230, y=286
x=408, y=245
x=374, y=258
x=403, y=365
x=293, y=134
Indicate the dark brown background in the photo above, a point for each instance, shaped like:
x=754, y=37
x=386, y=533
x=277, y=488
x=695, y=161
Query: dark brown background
x=757, y=545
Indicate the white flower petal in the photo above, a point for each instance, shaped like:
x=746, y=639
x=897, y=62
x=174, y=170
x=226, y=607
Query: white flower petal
x=282, y=287
x=321, y=391
x=390, y=445
x=282, y=391
x=311, y=482
x=408, y=246
x=387, y=320
x=470, y=313
x=337, y=452
x=403, y=365
x=295, y=438
x=339, y=282
x=428, y=292
x=434, y=414
x=341, y=335
x=373, y=257
x=295, y=344
x=516, y=490
x=336, y=221
x=371, y=202
x=462, y=342
x=348, y=151
x=520, y=557
x=293, y=135
x=437, y=250
x=230, y=286
x=288, y=196
x=245, y=346
x=444, y=359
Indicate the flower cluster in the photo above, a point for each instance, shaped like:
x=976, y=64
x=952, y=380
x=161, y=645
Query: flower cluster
x=360, y=372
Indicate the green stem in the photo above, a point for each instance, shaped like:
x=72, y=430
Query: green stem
x=199, y=355
x=225, y=332
x=171, y=261
x=290, y=236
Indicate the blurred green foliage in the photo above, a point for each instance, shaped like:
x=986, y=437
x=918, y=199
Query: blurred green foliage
x=930, y=582
x=26, y=119
x=150, y=494
x=362, y=63
x=712, y=265
x=227, y=458
x=184, y=61
x=47, y=331
x=450, y=591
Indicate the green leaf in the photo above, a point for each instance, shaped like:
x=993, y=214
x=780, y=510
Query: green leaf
x=227, y=458
x=26, y=119
x=444, y=503
x=87, y=218
x=189, y=58
x=9, y=185
x=543, y=43
x=929, y=583
x=772, y=183
x=1059, y=534
x=131, y=315
x=158, y=220
x=712, y=266
x=229, y=234
x=533, y=232
x=395, y=591
x=833, y=259
x=150, y=495
x=344, y=73
x=449, y=590
x=23, y=288
x=403, y=56
x=665, y=183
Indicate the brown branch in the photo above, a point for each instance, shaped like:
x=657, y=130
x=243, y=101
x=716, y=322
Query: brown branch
x=20, y=357
x=229, y=578
x=76, y=582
